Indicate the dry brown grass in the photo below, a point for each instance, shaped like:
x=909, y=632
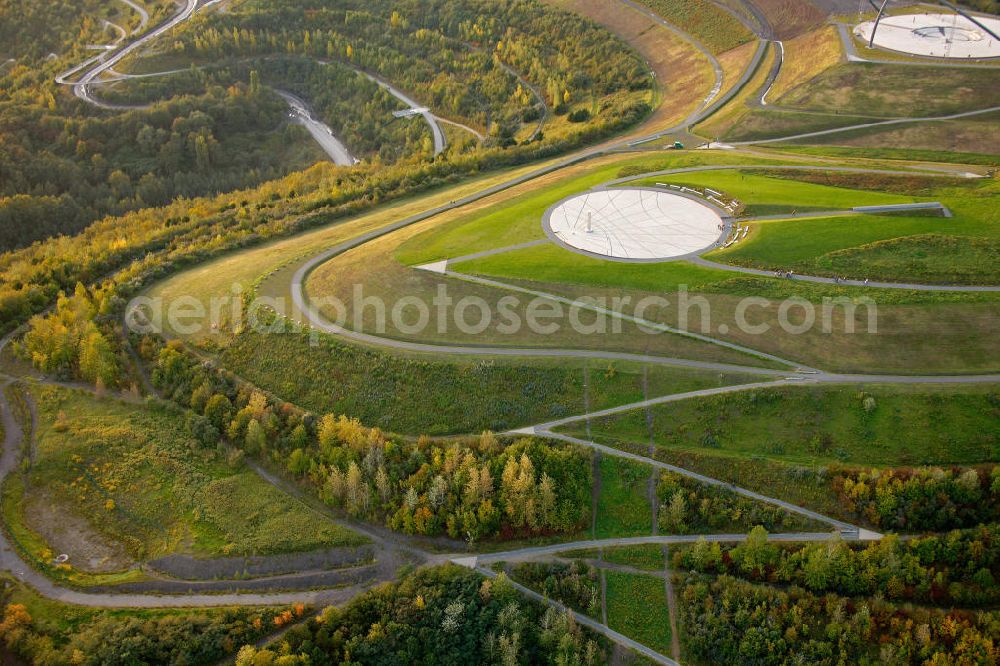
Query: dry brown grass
x=721, y=122
x=955, y=136
x=734, y=62
x=791, y=18
x=912, y=339
x=807, y=56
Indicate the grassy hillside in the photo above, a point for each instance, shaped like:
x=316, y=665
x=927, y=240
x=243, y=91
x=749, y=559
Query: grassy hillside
x=132, y=484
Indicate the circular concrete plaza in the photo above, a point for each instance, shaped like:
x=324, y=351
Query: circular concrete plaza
x=634, y=224
x=935, y=35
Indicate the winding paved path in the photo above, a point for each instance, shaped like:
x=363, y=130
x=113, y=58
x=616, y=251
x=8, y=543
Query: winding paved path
x=319, y=130
x=143, y=15
x=12, y=438
x=772, y=76
x=81, y=88
x=304, y=308
x=440, y=142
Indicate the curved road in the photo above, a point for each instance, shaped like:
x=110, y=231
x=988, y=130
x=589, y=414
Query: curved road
x=10, y=560
x=319, y=130
x=773, y=74
x=143, y=15
x=81, y=86
x=440, y=142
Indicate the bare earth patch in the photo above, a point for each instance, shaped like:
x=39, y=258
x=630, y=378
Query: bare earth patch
x=67, y=533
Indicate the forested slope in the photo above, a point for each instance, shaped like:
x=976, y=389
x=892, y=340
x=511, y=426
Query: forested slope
x=521, y=72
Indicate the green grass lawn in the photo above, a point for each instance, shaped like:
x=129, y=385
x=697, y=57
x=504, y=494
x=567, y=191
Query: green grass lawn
x=870, y=425
x=791, y=242
x=755, y=189
x=637, y=607
x=903, y=327
x=937, y=258
x=134, y=477
x=551, y=263
x=855, y=93
x=887, y=247
x=800, y=484
x=881, y=247
x=644, y=556
x=216, y=278
x=518, y=217
x=623, y=506
x=766, y=123
x=470, y=395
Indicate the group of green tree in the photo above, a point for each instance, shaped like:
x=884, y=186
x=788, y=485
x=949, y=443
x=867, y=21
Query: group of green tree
x=85, y=637
x=922, y=499
x=689, y=506
x=32, y=31
x=459, y=55
x=960, y=567
x=357, y=110
x=124, y=253
x=727, y=620
x=70, y=344
x=65, y=164
x=575, y=584
x=468, y=490
x=444, y=615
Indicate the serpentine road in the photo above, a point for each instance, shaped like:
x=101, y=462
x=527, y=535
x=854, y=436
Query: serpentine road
x=13, y=436
x=440, y=143
x=319, y=130
x=143, y=15
x=81, y=88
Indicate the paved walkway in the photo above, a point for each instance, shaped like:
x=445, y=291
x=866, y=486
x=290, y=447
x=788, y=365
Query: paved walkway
x=533, y=552
x=10, y=560
x=440, y=142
